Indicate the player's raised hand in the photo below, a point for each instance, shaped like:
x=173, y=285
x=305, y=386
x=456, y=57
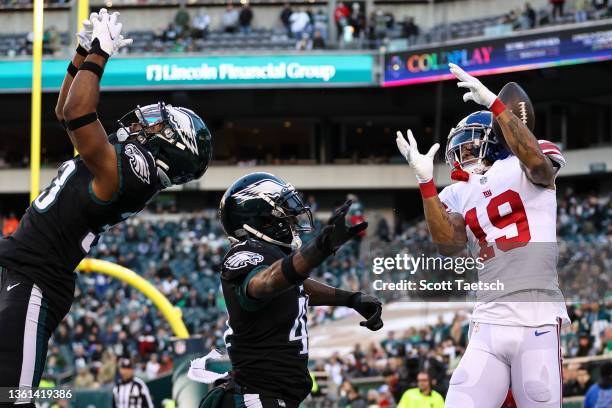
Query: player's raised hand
x=370, y=308
x=337, y=232
x=421, y=164
x=84, y=36
x=106, y=33
x=477, y=92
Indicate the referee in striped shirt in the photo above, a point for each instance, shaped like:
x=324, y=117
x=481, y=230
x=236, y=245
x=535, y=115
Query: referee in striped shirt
x=129, y=391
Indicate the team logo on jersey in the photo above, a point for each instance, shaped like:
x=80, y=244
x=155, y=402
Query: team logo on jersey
x=183, y=124
x=242, y=259
x=138, y=163
x=267, y=186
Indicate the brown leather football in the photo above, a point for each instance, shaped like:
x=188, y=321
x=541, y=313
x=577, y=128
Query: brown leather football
x=517, y=101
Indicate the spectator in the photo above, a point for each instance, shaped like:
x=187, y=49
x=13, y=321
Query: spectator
x=130, y=391
x=529, y=17
x=9, y=224
x=356, y=20
x=84, y=379
x=320, y=24
x=181, y=20
x=318, y=43
x=600, y=394
x=423, y=396
x=200, y=24
x=557, y=9
x=229, y=20
x=580, y=7
x=305, y=43
x=285, y=17
x=245, y=18
x=299, y=23
x=153, y=366
x=410, y=31
x=341, y=14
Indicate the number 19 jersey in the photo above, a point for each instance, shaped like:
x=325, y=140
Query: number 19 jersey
x=511, y=225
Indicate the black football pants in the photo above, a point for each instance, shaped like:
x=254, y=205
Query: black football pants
x=27, y=320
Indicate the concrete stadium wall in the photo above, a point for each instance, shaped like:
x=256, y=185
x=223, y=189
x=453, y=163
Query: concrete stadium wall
x=322, y=177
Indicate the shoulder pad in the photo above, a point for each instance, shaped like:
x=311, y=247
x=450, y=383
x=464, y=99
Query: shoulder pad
x=246, y=255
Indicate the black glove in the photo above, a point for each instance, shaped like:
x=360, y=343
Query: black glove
x=337, y=233
x=370, y=308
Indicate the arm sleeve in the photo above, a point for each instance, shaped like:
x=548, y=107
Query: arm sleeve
x=247, y=302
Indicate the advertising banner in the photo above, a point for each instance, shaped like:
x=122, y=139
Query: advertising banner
x=205, y=72
x=509, y=54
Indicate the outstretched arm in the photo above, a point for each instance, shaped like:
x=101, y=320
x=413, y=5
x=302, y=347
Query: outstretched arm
x=447, y=229
x=295, y=268
x=88, y=135
x=519, y=138
x=368, y=306
x=83, y=48
x=525, y=146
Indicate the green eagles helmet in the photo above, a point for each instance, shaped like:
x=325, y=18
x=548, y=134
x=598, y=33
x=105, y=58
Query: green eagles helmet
x=262, y=206
x=177, y=138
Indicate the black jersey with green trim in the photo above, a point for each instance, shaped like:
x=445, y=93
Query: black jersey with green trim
x=64, y=221
x=267, y=341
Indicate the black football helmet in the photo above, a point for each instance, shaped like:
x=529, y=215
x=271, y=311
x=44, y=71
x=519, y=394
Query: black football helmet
x=261, y=205
x=177, y=137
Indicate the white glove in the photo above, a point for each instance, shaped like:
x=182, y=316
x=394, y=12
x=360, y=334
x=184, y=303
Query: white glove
x=421, y=164
x=84, y=36
x=107, y=30
x=477, y=91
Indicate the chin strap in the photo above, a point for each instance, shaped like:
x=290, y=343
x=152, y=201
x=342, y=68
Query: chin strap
x=295, y=244
x=458, y=174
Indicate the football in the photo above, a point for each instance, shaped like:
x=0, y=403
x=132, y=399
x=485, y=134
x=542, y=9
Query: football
x=517, y=101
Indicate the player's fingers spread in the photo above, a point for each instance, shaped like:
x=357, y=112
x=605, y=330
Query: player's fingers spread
x=412, y=141
x=433, y=150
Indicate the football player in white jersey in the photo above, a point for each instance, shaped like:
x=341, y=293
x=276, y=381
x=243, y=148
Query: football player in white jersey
x=504, y=209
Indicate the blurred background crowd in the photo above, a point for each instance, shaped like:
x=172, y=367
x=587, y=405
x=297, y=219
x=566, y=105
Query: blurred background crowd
x=303, y=27
x=180, y=253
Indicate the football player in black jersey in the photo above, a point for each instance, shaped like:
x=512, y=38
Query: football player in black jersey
x=267, y=289
x=110, y=180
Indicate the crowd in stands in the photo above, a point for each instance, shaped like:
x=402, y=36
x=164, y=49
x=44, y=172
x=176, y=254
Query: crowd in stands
x=304, y=28
x=180, y=254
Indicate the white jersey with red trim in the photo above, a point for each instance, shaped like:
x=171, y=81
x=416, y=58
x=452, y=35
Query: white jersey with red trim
x=511, y=225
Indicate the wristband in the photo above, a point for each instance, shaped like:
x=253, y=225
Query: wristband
x=343, y=297
x=96, y=49
x=289, y=271
x=72, y=69
x=81, y=51
x=498, y=107
x=93, y=67
x=428, y=189
x=81, y=121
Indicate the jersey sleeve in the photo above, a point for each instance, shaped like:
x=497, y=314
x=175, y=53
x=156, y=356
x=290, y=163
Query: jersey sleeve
x=243, y=263
x=450, y=200
x=137, y=171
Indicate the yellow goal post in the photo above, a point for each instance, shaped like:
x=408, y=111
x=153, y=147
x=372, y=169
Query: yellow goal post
x=172, y=314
